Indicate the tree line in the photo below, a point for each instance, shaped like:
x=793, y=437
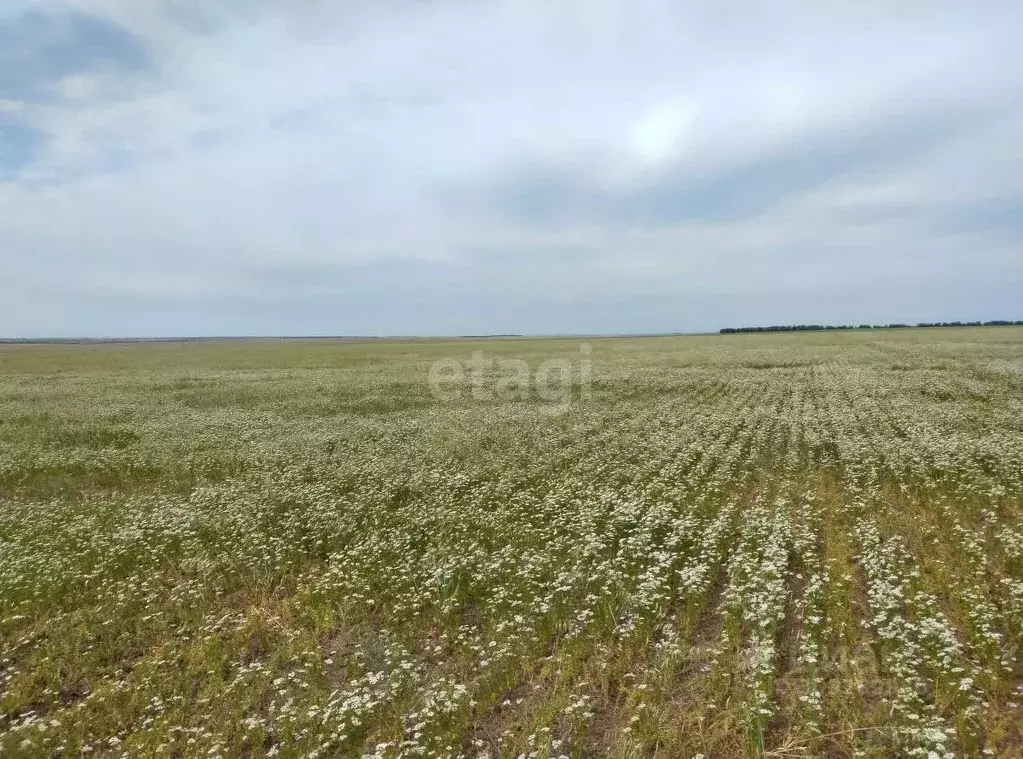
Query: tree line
x=825, y=327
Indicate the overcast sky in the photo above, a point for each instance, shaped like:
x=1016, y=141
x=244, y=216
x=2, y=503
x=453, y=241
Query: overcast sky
x=180, y=167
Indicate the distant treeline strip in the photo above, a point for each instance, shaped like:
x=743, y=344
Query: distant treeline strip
x=821, y=327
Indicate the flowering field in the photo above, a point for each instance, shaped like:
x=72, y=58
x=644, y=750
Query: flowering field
x=781, y=545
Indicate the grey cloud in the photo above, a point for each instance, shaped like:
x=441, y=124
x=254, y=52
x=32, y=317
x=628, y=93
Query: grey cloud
x=40, y=47
x=19, y=145
x=999, y=216
x=560, y=193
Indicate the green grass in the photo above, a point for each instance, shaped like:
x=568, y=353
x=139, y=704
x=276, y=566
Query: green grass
x=779, y=544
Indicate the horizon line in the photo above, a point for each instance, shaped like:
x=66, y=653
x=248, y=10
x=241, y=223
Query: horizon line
x=730, y=331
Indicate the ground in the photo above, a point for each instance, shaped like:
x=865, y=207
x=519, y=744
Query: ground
x=780, y=545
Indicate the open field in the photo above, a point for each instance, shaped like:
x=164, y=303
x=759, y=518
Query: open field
x=783, y=545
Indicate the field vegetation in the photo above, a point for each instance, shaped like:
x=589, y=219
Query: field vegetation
x=744, y=545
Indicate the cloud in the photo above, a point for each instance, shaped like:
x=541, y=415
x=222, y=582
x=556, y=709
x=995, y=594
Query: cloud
x=19, y=144
x=730, y=191
x=41, y=50
x=505, y=166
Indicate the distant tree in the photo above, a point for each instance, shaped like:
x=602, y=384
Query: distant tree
x=895, y=325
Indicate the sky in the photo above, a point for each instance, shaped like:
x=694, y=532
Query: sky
x=260, y=167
